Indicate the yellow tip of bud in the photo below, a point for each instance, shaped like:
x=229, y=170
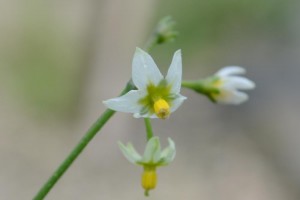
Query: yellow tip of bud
x=149, y=179
x=162, y=109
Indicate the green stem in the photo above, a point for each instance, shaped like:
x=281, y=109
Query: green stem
x=148, y=128
x=204, y=87
x=152, y=41
x=78, y=149
x=199, y=86
x=44, y=190
x=187, y=84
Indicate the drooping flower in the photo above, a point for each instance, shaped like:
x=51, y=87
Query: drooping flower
x=153, y=157
x=156, y=96
x=229, y=84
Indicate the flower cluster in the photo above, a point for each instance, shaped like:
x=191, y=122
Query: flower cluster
x=149, y=94
x=157, y=96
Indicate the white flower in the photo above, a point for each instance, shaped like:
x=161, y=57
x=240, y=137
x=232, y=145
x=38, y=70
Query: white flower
x=153, y=157
x=228, y=84
x=156, y=96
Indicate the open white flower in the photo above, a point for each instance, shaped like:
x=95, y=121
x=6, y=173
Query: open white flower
x=153, y=157
x=156, y=96
x=228, y=84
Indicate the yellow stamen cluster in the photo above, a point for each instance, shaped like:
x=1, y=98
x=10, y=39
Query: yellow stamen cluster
x=161, y=108
x=149, y=179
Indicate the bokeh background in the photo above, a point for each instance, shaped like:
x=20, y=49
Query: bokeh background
x=59, y=59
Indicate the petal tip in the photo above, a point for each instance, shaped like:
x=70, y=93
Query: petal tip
x=253, y=85
x=178, y=51
x=139, y=50
x=231, y=70
x=107, y=103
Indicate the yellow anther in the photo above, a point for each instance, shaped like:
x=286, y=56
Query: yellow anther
x=149, y=180
x=161, y=108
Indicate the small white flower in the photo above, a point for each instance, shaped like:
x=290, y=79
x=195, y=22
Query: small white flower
x=153, y=157
x=228, y=84
x=156, y=96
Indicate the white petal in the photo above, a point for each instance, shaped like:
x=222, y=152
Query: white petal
x=137, y=115
x=144, y=70
x=152, y=150
x=238, y=83
x=175, y=73
x=232, y=97
x=168, y=154
x=148, y=115
x=126, y=103
x=153, y=116
x=230, y=70
x=130, y=153
x=177, y=102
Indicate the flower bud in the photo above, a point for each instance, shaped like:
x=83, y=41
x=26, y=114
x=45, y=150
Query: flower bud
x=165, y=30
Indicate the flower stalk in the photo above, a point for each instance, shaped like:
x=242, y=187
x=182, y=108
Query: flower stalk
x=94, y=129
x=202, y=87
x=149, y=131
x=78, y=149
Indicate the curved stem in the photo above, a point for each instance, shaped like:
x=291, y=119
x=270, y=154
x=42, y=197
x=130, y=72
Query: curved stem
x=44, y=190
x=78, y=149
x=148, y=128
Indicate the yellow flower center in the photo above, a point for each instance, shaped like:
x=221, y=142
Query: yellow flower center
x=149, y=179
x=161, y=108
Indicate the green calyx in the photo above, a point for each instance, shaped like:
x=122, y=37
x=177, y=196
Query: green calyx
x=154, y=93
x=208, y=86
x=165, y=31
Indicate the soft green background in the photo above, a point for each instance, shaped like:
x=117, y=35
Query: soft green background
x=60, y=59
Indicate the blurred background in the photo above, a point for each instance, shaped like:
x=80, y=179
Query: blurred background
x=60, y=59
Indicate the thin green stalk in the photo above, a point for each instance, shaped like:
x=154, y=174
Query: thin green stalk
x=148, y=128
x=96, y=127
x=187, y=84
x=78, y=149
x=204, y=87
x=199, y=86
x=151, y=42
